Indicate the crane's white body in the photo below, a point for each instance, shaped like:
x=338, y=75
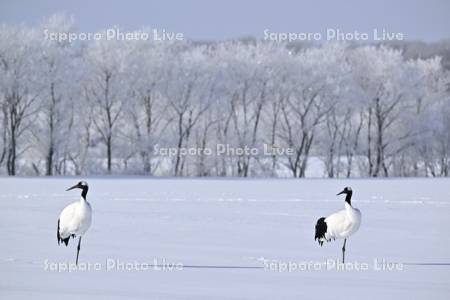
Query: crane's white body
x=75, y=219
x=343, y=223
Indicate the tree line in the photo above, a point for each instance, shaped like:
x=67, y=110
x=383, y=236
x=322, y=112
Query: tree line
x=101, y=107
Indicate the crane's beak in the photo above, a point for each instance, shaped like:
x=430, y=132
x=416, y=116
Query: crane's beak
x=343, y=192
x=73, y=187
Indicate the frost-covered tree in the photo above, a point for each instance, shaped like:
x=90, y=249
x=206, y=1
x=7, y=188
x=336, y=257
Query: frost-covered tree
x=431, y=120
x=57, y=62
x=187, y=88
x=19, y=89
x=247, y=78
x=105, y=89
x=313, y=93
x=147, y=108
x=388, y=83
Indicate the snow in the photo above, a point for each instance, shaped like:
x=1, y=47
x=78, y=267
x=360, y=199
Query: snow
x=222, y=232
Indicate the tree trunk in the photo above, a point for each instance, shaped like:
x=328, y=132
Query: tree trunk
x=109, y=152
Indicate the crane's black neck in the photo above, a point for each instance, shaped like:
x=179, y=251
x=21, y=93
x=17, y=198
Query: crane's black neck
x=84, y=192
x=348, y=198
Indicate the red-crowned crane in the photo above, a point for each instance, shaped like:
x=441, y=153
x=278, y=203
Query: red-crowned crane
x=340, y=225
x=75, y=219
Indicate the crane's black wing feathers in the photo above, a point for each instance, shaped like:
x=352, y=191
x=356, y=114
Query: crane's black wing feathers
x=321, y=229
x=60, y=239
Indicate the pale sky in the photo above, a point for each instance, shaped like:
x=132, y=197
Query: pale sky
x=209, y=19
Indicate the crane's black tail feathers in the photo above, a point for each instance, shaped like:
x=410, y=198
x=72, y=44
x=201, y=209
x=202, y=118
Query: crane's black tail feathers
x=321, y=229
x=60, y=239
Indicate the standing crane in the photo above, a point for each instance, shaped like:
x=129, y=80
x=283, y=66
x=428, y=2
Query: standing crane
x=340, y=225
x=75, y=219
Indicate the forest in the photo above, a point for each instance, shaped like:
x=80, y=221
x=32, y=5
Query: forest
x=101, y=107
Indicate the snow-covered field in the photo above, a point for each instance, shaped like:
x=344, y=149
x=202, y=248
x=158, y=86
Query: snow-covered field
x=228, y=235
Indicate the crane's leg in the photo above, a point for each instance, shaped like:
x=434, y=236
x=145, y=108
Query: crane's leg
x=343, y=251
x=78, y=250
